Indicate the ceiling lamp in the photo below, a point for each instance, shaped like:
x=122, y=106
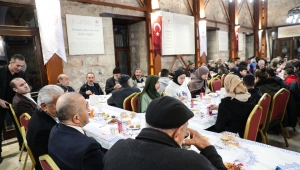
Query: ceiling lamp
x=293, y=15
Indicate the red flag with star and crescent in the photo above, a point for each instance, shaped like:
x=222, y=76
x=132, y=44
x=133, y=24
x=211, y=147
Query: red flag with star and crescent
x=156, y=26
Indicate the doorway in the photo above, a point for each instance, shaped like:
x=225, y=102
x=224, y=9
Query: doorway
x=289, y=47
x=122, y=51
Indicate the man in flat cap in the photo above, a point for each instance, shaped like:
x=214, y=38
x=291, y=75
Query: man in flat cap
x=159, y=145
x=112, y=83
x=118, y=96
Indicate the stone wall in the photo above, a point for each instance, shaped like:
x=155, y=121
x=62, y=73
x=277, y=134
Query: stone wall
x=138, y=47
x=249, y=46
x=278, y=10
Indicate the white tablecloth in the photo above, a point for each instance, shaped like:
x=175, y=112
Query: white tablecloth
x=255, y=156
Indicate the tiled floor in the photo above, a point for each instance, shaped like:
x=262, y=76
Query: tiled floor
x=11, y=152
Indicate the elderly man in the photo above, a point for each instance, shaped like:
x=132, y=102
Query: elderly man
x=68, y=146
x=7, y=73
x=42, y=121
x=112, y=83
x=90, y=87
x=22, y=102
x=63, y=82
x=261, y=64
x=137, y=80
x=118, y=96
x=159, y=146
x=232, y=67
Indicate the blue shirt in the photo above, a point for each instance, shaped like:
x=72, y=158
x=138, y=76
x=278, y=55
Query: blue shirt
x=93, y=89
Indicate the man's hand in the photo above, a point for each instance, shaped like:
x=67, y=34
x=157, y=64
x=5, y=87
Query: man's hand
x=214, y=107
x=3, y=104
x=181, y=98
x=207, y=91
x=196, y=139
x=88, y=92
x=117, y=86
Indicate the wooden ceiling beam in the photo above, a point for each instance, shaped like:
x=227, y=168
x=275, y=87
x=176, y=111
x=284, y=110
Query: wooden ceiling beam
x=144, y=9
x=226, y=11
x=252, y=19
x=191, y=8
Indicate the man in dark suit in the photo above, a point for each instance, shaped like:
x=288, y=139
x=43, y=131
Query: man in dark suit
x=112, y=83
x=90, y=87
x=63, y=82
x=68, y=146
x=7, y=73
x=22, y=102
x=42, y=121
x=118, y=96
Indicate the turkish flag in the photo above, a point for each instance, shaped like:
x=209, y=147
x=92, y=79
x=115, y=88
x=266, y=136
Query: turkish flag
x=156, y=26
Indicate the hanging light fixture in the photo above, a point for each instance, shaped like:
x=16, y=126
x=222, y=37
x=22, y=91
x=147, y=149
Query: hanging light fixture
x=293, y=15
x=250, y=1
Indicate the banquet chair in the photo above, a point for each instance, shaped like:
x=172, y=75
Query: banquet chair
x=18, y=128
x=216, y=84
x=47, y=163
x=127, y=102
x=24, y=120
x=278, y=109
x=23, y=133
x=252, y=124
x=222, y=79
x=134, y=102
x=264, y=102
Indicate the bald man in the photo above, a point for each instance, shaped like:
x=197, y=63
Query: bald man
x=86, y=153
x=63, y=82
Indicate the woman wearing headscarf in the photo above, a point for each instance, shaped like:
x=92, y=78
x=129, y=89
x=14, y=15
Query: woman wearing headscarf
x=177, y=88
x=234, y=108
x=199, y=83
x=149, y=93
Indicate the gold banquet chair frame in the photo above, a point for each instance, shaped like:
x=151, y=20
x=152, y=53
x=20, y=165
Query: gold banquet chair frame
x=251, y=134
x=265, y=98
x=52, y=165
x=23, y=133
x=19, y=129
x=133, y=100
x=126, y=100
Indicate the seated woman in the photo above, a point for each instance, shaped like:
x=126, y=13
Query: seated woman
x=297, y=68
x=199, y=83
x=234, y=109
x=149, y=93
x=265, y=83
x=177, y=88
x=289, y=76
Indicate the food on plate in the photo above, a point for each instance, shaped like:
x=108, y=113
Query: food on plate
x=105, y=117
x=113, y=121
x=227, y=136
x=113, y=116
x=102, y=113
x=123, y=115
x=234, y=166
x=137, y=126
x=132, y=114
x=131, y=126
x=231, y=143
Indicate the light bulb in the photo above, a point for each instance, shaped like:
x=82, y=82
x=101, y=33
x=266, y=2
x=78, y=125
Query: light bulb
x=295, y=16
x=250, y=1
x=287, y=20
x=230, y=0
x=299, y=20
x=239, y=1
x=294, y=20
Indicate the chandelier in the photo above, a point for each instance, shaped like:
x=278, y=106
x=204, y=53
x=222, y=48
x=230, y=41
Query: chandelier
x=293, y=15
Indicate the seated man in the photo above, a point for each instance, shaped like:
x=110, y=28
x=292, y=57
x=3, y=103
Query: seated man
x=159, y=146
x=68, y=146
x=112, y=83
x=137, y=80
x=164, y=80
x=232, y=67
x=118, y=96
x=63, y=82
x=242, y=71
x=249, y=82
x=90, y=87
x=42, y=121
x=22, y=101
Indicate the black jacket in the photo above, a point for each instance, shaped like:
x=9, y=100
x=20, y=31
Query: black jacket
x=84, y=87
x=3, y=79
x=70, y=149
x=270, y=86
x=153, y=149
x=39, y=128
x=109, y=86
x=232, y=116
x=255, y=94
x=118, y=96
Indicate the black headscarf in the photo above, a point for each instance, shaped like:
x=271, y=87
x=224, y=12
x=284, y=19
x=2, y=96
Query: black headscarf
x=176, y=75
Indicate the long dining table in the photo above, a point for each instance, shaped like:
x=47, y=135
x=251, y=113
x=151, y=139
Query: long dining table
x=253, y=155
